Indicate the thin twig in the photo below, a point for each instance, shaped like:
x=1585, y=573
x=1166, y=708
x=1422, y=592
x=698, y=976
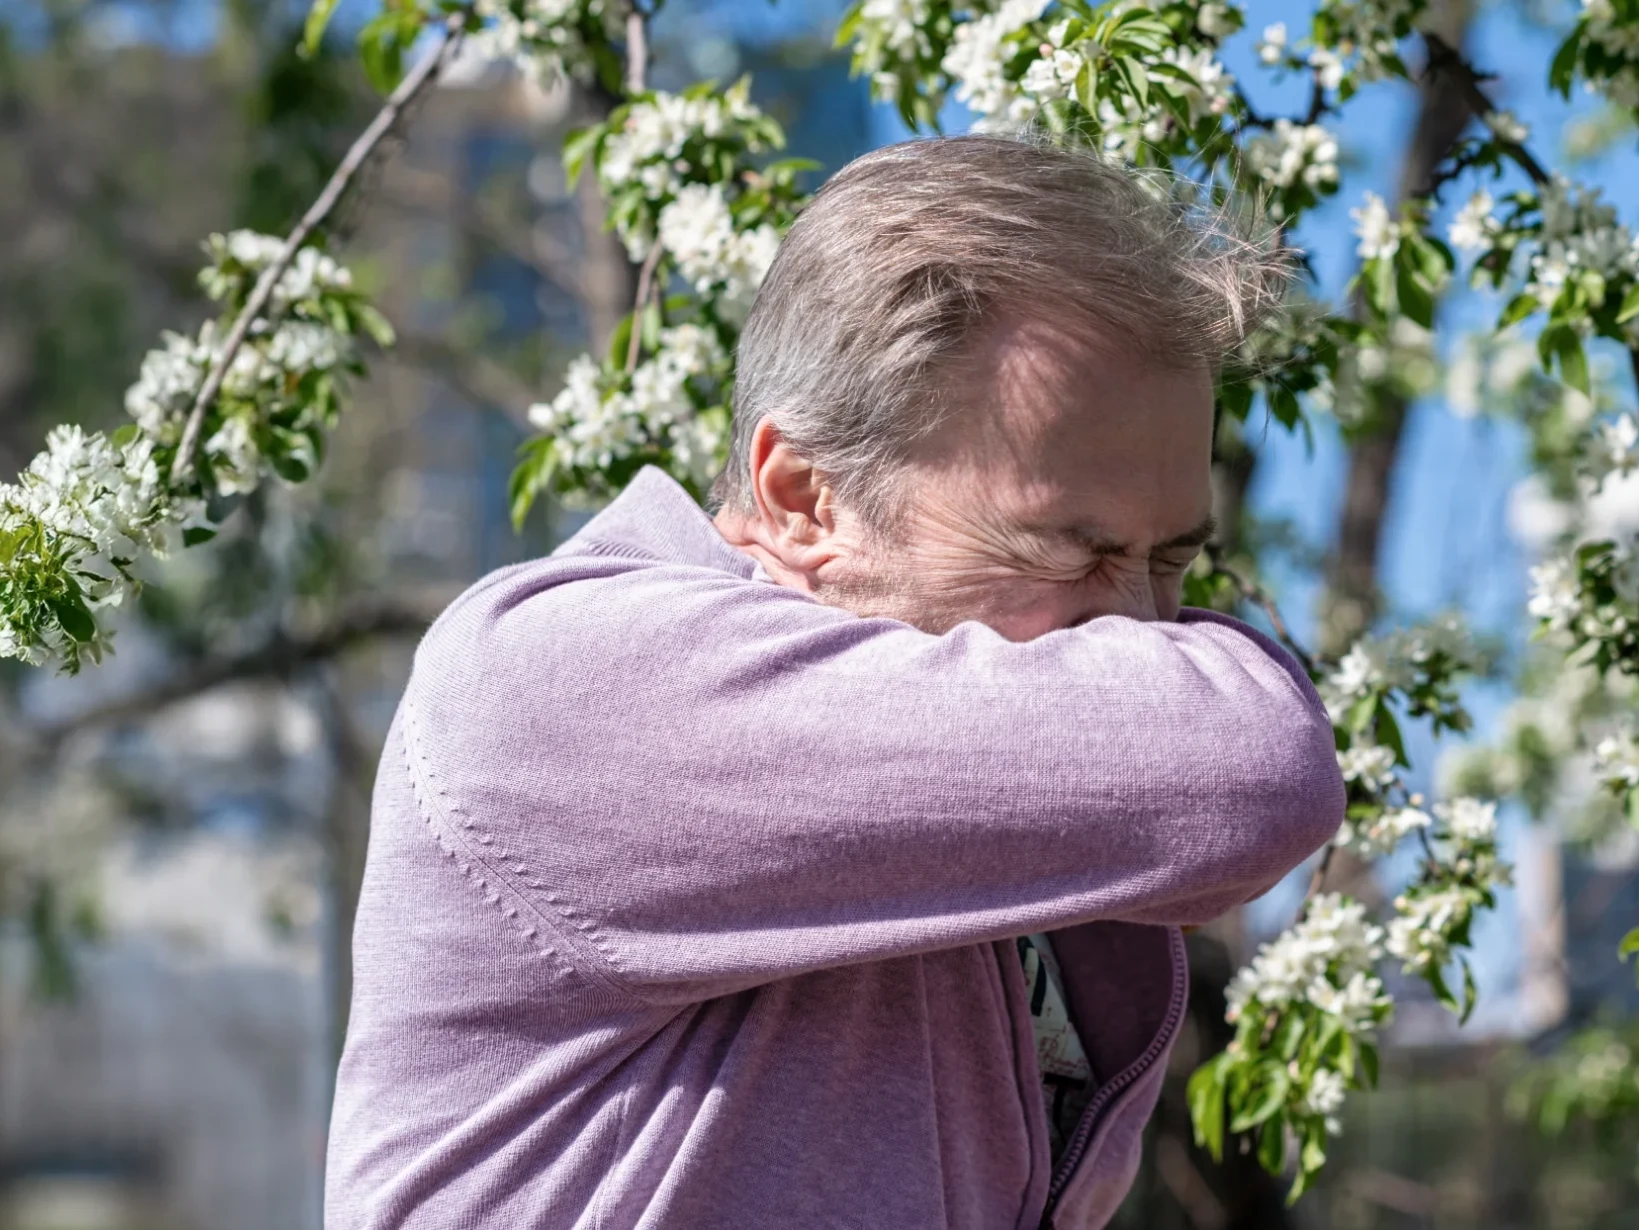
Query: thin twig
x=1319, y=877
x=637, y=50
x=645, y=281
x=1255, y=594
x=414, y=82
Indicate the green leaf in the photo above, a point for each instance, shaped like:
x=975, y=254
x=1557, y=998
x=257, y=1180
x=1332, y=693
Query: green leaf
x=1379, y=275
x=1563, y=342
x=1087, y=86
x=848, y=24
x=1414, y=297
x=1562, y=71
x=1630, y=305
x=1138, y=81
x=1283, y=404
x=578, y=144
x=1368, y=1064
x=382, y=42
x=1629, y=944
x=620, y=340
x=318, y=17
x=1387, y=731
x=1361, y=713
x=1470, y=993
x=376, y=325
x=1272, y=1144
x=74, y=616
x=1519, y=307
x=532, y=476
x=1206, y=1105
x=1277, y=1083
x=125, y=435
x=1313, y=1156
x=193, y=535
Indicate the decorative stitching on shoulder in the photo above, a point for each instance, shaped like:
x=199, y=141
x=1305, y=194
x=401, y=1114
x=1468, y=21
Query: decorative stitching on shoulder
x=471, y=862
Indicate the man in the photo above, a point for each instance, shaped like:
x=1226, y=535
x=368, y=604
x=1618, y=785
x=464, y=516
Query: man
x=822, y=864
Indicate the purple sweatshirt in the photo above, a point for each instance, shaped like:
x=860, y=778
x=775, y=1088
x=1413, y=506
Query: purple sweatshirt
x=690, y=900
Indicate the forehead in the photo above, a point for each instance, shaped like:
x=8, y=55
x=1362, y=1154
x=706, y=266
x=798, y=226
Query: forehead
x=1055, y=427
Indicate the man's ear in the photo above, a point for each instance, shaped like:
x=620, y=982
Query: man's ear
x=796, y=506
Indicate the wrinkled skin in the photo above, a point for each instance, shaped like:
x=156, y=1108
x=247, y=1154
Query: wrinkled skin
x=1073, y=482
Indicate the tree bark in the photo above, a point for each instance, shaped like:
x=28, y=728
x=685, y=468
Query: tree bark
x=1352, y=599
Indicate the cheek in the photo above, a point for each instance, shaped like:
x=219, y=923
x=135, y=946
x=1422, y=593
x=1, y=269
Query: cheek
x=1022, y=610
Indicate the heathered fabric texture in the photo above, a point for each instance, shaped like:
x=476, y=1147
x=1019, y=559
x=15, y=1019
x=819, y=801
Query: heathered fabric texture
x=690, y=901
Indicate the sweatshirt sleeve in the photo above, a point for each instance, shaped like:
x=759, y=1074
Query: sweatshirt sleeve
x=701, y=782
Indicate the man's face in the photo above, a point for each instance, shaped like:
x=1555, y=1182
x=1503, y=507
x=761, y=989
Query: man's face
x=1074, y=483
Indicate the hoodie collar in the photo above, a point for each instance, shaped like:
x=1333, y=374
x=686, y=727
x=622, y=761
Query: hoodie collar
x=655, y=518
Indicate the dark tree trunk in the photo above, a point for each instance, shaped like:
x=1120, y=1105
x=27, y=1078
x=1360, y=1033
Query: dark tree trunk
x=1352, y=600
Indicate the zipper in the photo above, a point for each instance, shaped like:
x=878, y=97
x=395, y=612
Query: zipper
x=1118, y=1084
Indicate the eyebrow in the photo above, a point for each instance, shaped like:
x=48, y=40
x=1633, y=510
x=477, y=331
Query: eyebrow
x=1097, y=542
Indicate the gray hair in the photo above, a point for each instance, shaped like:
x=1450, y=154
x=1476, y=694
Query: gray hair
x=907, y=253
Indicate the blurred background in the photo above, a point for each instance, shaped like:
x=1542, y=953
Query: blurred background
x=182, y=829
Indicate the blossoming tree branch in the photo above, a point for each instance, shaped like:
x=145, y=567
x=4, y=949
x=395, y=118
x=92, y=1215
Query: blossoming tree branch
x=698, y=197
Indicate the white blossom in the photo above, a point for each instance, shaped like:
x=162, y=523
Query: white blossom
x=698, y=445
x=1474, y=229
x=1381, y=833
x=1618, y=37
x=310, y=273
x=1379, y=233
x=1579, y=231
x=1420, y=932
x=698, y=230
x=1556, y=593
x=1360, y=1002
x=1328, y=66
x=84, y=487
x=1468, y=819
x=166, y=386
x=1615, y=447
x=235, y=459
x=1616, y=759
x=1214, y=87
x=1053, y=76
x=647, y=147
x=976, y=62
x=1399, y=660
x=592, y=427
x=1325, y=1093
x=1290, y=154
x=903, y=25
x=1507, y=127
x=1332, y=942
x=1215, y=20
x=1271, y=47
x=544, y=42
x=1368, y=764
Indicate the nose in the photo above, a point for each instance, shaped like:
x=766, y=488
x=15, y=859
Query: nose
x=1133, y=598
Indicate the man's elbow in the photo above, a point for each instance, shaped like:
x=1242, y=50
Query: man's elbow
x=1306, y=799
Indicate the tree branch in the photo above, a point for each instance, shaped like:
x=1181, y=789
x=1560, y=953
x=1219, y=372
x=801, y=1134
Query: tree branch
x=1444, y=58
x=1255, y=593
x=278, y=657
x=645, y=283
x=414, y=82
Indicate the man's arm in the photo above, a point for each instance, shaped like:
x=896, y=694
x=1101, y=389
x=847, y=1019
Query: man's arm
x=702, y=782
